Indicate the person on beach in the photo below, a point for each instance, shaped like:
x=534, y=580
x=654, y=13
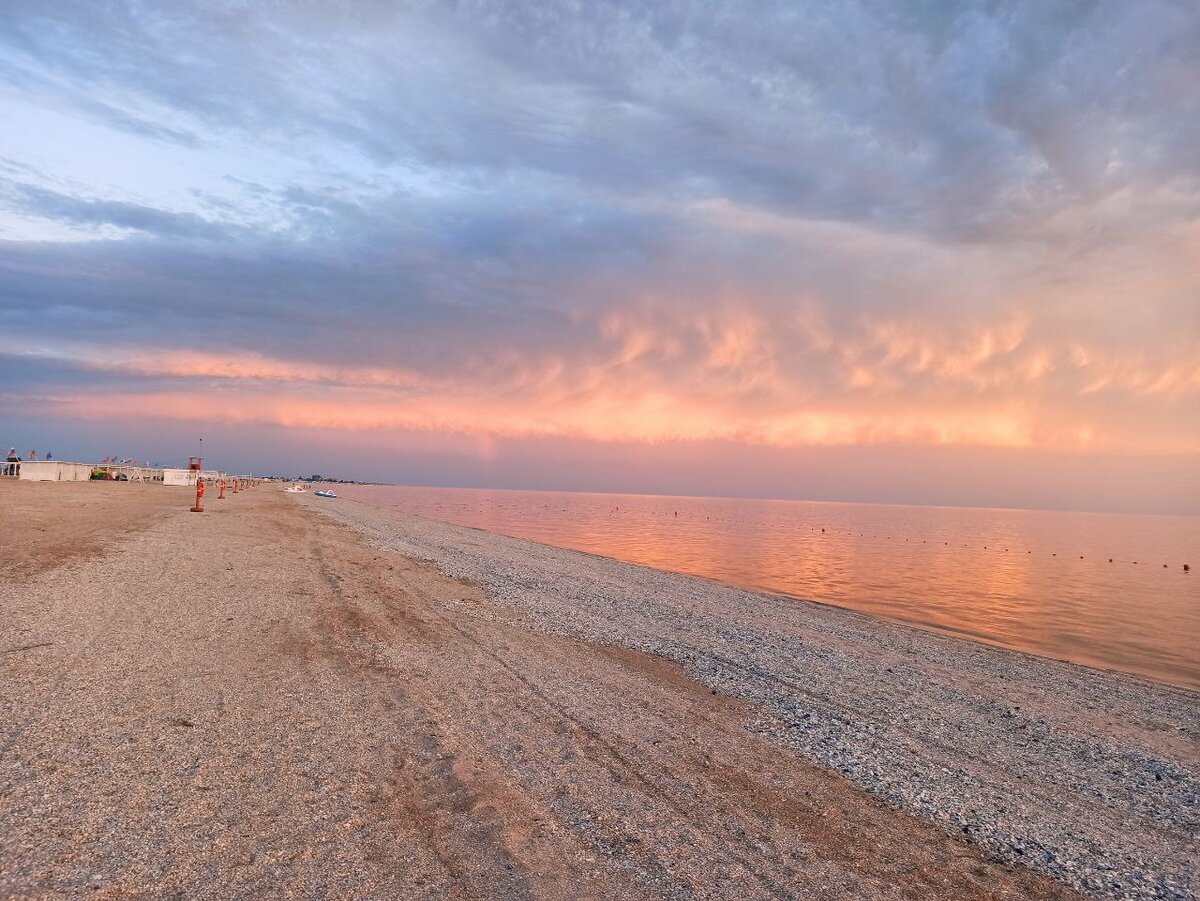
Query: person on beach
x=33, y=455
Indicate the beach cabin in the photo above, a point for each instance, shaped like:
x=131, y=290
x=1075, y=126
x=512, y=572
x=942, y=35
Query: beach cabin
x=54, y=471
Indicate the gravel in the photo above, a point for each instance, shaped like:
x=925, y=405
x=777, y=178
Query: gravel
x=1088, y=776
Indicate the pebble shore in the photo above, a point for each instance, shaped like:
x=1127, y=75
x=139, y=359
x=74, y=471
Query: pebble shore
x=1090, y=777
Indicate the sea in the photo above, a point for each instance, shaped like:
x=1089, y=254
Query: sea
x=1102, y=589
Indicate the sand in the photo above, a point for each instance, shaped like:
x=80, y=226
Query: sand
x=45, y=526
x=255, y=701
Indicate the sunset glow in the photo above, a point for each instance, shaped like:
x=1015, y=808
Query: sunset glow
x=975, y=231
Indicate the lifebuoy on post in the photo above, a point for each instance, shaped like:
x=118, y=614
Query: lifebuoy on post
x=221, y=496
x=199, y=508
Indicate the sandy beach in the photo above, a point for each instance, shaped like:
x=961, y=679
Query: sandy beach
x=277, y=698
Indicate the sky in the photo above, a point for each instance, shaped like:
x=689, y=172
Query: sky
x=922, y=252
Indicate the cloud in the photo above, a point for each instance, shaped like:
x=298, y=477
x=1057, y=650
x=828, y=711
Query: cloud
x=960, y=123
x=38, y=201
x=954, y=224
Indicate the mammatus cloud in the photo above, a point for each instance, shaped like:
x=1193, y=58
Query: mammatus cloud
x=783, y=226
x=722, y=376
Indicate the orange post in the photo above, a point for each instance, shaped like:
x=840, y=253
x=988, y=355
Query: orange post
x=221, y=496
x=235, y=486
x=199, y=508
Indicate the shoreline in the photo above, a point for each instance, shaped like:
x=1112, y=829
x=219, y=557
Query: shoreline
x=927, y=627
x=1140, y=731
x=1068, y=605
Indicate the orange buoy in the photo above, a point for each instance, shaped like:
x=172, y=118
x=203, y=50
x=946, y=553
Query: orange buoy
x=221, y=496
x=199, y=508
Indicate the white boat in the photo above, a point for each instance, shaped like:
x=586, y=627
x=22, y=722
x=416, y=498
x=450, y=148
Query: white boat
x=324, y=494
x=295, y=489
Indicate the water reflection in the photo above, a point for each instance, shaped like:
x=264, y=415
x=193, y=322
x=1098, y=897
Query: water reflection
x=1032, y=580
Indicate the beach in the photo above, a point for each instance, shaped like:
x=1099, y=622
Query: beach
x=291, y=696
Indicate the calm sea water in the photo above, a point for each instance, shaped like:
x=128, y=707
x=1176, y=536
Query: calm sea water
x=1032, y=580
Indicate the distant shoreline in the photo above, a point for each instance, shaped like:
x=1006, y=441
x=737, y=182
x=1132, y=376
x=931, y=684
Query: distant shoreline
x=787, y=500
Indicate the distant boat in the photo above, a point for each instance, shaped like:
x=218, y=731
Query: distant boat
x=324, y=494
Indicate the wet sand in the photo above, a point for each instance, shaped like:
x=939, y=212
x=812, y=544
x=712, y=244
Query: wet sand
x=257, y=702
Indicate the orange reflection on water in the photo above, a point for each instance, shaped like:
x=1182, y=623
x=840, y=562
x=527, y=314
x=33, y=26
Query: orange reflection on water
x=1030, y=580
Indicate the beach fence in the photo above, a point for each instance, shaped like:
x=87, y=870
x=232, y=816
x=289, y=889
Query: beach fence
x=125, y=472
